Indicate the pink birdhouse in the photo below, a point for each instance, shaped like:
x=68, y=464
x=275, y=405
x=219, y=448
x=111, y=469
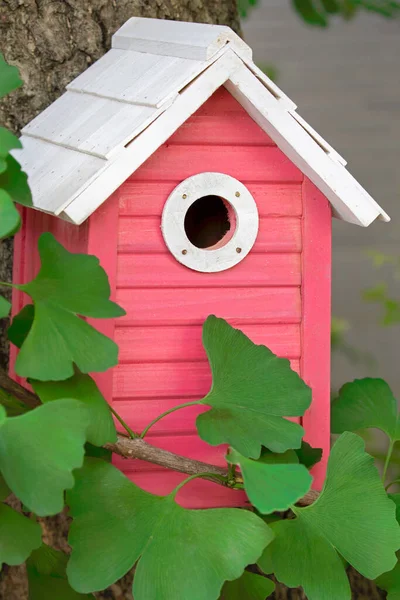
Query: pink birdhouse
x=189, y=173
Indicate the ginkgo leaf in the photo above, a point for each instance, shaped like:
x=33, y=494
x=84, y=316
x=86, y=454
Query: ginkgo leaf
x=10, y=219
x=9, y=77
x=252, y=391
x=21, y=325
x=18, y=536
x=366, y=403
x=15, y=182
x=40, y=449
x=67, y=285
x=248, y=587
x=4, y=489
x=307, y=455
x=110, y=512
x=271, y=486
x=101, y=428
x=5, y=307
x=390, y=582
x=8, y=141
x=47, y=576
x=352, y=517
x=396, y=499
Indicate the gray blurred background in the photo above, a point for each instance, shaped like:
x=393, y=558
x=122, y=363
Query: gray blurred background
x=345, y=80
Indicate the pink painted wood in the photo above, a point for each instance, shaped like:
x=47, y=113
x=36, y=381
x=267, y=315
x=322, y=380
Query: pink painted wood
x=279, y=295
x=316, y=322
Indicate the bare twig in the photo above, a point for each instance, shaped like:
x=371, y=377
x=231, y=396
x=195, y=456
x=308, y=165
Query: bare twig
x=138, y=448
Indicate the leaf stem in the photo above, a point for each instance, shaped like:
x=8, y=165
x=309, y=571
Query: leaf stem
x=387, y=461
x=5, y=284
x=389, y=485
x=129, y=431
x=197, y=476
x=167, y=412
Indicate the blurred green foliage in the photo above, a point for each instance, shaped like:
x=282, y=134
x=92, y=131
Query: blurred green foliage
x=319, y=12
x=380, y=293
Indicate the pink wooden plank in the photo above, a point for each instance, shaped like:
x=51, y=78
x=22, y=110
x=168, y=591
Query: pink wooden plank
x=163, y=270
x=139, y=413
x=225, y=129
x=196, y=494
x=315, y=362
x=165, y=380
x=143, y=235
x=102, y=242
x=221, y=103
x=146, y=344
x=138, y=199
x=251, y=163
x=192, y=306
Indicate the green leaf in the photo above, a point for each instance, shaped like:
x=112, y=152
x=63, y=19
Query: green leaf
x=308, y=12
x=15, y=182
x=4, y=489
x=390, y=582
x=10, y=220
x=5, y=307
x=331, y=6
x=396, y=499
x=9, y=77
x=81, y=387
x=115, y=524
x=47, y=576
x=21, y=325
x=307, y=455
x=272, y=487
x=18, y=536
x=40, y=449
x=252, y=391
x=351, y=516
x=248, y=587
x=366, y=403
x=8, y=141
x=67, y=285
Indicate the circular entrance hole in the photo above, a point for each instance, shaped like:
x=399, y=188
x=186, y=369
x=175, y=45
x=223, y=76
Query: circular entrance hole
x=210, y=222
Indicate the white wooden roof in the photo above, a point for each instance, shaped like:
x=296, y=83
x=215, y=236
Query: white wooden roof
x=113, y=116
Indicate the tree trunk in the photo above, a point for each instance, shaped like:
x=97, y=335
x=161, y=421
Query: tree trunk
x=51, y=42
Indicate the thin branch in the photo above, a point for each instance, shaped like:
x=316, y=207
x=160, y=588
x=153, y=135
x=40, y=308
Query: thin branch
x=13, y=388
x=140, y=449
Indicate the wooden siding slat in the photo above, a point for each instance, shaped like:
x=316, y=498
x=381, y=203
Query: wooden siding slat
x=146, y=344
x=143, y=235
x=138, y=199
x=163, y=270
x=234, y=129
x=139, y=413
x=252, y=163
x=165, y=380
x=192, y=306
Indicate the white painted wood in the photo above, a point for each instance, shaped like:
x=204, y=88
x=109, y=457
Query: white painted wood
x=87, y=123
x=319, y=139
x=138, y=78
x=284, y=100
x=245, y=227
x=87, y=200
x=196, y=41
x=349, y=200
x=55, y=173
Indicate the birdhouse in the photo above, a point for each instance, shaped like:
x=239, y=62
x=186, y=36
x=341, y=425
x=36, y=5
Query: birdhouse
x=192, y=177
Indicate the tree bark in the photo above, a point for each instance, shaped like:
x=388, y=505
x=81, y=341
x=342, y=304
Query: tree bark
x=51, y=42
